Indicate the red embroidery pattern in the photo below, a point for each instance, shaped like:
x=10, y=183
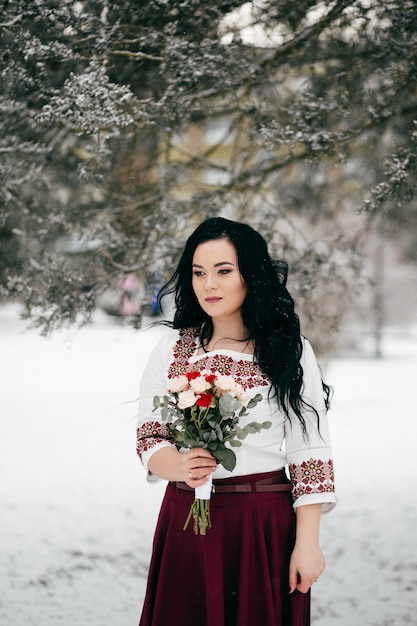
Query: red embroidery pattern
x=312, y=476
x=149, y=434
x=245, y=372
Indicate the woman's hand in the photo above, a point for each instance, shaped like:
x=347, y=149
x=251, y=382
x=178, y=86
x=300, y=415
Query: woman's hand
x=197, y=465
x=192, y=467
x=307, y=561
x=306, y=565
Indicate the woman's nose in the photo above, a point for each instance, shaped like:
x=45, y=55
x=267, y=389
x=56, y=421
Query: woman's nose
x=211, y=281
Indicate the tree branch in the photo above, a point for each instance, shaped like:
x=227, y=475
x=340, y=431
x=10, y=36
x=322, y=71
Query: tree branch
x=136, y=55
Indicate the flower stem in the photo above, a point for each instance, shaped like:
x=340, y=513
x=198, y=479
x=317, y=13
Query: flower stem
x=200, y=512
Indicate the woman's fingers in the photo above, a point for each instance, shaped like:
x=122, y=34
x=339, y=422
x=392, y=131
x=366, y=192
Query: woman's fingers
x=198, y=464
x=306, y=565
x=198, y=453
x=302, y=584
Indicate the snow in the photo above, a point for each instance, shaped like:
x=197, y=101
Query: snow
x=77, y=515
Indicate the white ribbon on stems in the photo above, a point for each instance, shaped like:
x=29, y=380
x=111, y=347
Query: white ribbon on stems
x=203, y=492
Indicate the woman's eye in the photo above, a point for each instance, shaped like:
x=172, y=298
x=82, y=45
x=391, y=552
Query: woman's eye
x=198, y=273
x=224, y=271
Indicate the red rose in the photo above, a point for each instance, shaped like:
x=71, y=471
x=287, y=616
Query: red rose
x=210, y=378
x=192, y=375
x=204, y=400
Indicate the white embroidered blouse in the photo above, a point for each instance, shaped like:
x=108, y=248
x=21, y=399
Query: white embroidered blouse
x=309, y=459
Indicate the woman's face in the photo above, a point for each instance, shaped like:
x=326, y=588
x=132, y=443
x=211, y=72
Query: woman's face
x=216, y=279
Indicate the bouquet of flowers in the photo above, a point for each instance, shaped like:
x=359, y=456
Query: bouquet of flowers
x=204, y=411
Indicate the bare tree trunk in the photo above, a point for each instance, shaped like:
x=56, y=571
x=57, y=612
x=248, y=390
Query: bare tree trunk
x=379, y=277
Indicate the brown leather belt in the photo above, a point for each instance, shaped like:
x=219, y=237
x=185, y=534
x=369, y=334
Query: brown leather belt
x=265, y=485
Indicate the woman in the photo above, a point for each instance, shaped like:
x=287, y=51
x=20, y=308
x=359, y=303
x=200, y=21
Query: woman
x=257, y=562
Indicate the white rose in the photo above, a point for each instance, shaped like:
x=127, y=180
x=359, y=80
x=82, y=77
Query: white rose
x=224, y=382
x=199, y=385
x=229, y=385
x=238, y=392
x=186, y=399
x=180, y=383
x=244, y=396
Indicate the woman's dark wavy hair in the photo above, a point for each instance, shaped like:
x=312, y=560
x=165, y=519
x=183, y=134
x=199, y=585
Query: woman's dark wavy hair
x=267, y=312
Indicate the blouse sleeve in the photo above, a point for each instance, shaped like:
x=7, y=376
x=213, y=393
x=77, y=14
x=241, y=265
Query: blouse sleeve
x=152, y=433
x=309, y=454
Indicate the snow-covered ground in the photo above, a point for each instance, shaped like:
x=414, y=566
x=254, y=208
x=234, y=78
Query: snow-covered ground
x=77, y=516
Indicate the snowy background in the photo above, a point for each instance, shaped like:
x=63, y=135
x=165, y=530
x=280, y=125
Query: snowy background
x=77, y=516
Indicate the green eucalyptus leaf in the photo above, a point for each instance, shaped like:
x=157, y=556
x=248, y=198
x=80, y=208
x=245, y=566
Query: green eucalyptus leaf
x=235, y=443
x=214, y=435
x=254, y=427
x=254, y=401
x=190, y=442
x=241, y=432
x=178, y=438
x=219, y=433
x=226, y=457
x=228, y=404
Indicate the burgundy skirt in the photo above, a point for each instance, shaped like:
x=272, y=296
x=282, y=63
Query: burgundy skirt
x=236, y=574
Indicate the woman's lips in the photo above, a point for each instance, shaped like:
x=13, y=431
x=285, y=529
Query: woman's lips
x=212, y=300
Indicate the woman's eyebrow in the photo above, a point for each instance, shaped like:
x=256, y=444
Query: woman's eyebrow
x=216, y=264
